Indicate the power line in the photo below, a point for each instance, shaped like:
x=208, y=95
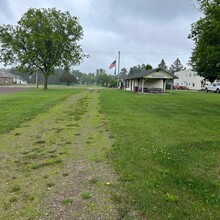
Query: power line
x=141, y=53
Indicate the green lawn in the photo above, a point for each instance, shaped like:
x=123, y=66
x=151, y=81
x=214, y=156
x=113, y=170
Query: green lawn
x=167, y=151
x=16, y=108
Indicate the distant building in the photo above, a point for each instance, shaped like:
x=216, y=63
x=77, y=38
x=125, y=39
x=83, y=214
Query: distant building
x=153, y=80
x=8, y=78
x=188, y=79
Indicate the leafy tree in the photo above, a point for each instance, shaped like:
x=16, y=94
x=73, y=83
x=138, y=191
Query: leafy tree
x=88, y=79
x=42, y=40
x=176, y=66
x=123, y=73
x=113, y=82
x=162, y=65
x=67, y=77
x=206, y=35
x=135, y=69
x=102, y=78
x=148, y=67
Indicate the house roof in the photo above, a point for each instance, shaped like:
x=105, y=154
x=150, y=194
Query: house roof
x=6, y=74
x=146, y=72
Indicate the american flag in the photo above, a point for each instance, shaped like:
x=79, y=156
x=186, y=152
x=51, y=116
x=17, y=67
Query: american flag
x=113, y=64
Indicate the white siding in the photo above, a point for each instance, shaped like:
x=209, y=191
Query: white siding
x=188, y=79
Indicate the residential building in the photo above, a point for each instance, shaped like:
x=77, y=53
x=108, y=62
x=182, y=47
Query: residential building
x=188, y=79
x=8, y=78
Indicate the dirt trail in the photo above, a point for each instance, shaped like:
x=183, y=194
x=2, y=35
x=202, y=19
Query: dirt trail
x=55, y=166
x=91, y=181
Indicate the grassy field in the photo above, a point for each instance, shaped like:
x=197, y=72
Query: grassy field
x=19, y=107
x=54, y=166
x=167, y=151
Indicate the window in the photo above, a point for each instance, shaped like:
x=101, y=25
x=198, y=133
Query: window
x=193, y=84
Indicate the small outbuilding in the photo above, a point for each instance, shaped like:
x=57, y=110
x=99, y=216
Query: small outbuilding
x=150, y=81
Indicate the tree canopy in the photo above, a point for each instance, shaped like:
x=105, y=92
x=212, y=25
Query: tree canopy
x=162, y=65
x=67, y=77
x=206, y=35
x=42, y=40
x=176, y=66
x=135, y=69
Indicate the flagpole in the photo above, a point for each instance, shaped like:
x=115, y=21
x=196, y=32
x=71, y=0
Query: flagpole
x=118, y=62
x=118, y=66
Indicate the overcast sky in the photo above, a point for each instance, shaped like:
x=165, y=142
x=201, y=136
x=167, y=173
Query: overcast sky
x=144, y=31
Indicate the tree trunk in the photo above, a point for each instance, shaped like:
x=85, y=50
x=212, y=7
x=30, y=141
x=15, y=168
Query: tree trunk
x=45, y=82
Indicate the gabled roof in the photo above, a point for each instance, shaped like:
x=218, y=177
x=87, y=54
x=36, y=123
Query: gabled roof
x=146, y=72
x=6, y=74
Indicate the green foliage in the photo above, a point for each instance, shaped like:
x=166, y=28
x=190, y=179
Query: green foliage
x=67, y=77
x=135, y=69
x=167, y=152
x=42, y=40
x=86, y=195
x=67, y=202
x=102, y=77
x=206, y=35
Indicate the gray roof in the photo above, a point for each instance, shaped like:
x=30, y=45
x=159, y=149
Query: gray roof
x=5, y=74
x=146, y=72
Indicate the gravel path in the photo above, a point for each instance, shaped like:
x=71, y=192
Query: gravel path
x=91, y=182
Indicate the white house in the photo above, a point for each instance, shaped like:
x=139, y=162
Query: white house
x=153, y=80
x=188, y=79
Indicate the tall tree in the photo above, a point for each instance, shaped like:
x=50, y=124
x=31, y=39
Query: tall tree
x=176, y=66
x=42, y=40
x=206, y=35
x=162, y=65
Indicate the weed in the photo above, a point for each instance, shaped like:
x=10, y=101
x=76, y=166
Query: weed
x=49, y=185
x=86, y=195
x=93, y=180
x=13, y=199
x=15, y=188
x=172, y=198
x=67, y=202
x=17, y=134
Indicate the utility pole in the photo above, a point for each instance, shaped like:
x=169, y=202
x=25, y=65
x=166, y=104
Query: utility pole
x=36, y=79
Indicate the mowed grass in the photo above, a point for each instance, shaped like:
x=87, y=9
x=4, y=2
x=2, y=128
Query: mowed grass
x=167, y=151
x=16, y=108
x=33, y=156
